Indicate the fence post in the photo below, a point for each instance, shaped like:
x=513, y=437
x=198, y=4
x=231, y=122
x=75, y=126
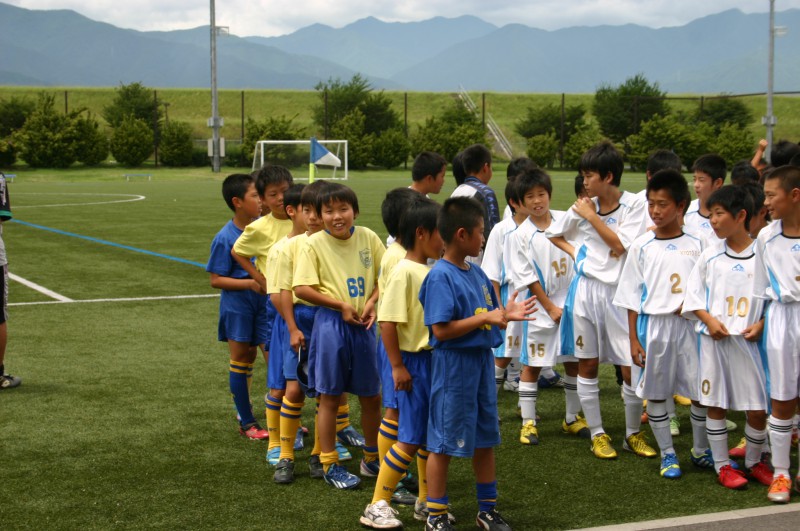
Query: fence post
x=66, y=103
x=635, y=114
x=155, y=126
x=405, y=124
x=483, y=109
x=242, y=117
x=326, y=115
x=563, y=133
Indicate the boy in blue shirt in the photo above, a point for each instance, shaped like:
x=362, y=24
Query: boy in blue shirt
x=465, y=322
x=242, y=303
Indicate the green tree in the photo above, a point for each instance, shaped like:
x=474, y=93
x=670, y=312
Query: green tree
x=543, y=149
x=176, y=144
x=277, y=128
x=344, y=98
x=92, y=147
x=137, y=101
x=8, y=153
x=679, y=135
x=448, y=133
x=725, y=110
x=48, y=139
x=547, y=118
x=733, y=143
x=13, y=113
x=132, y=142
x=390, y=149
x=584, y=137
x=619, y=110
x=359, y=143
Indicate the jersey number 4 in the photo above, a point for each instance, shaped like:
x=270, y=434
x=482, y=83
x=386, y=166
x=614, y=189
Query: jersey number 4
x=355, y=287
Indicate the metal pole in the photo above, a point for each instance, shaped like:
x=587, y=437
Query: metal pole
x=769, y=119
x=215, y=163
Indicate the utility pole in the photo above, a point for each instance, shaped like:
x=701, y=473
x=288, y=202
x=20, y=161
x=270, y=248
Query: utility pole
x=214, y=120
x=769, y=120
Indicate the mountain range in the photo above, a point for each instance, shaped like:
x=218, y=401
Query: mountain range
x=725, y=52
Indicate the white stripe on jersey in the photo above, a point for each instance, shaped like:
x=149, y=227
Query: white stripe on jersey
x=777, y=265
x=493, y=264
x=654, y=278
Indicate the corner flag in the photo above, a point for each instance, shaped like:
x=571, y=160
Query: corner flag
x=320, y=155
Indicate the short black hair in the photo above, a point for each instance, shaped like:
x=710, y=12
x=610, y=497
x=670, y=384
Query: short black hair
x=292, y=196
x=674, y=182
x=518, y=166
x=459, y=213
x=458, y=168
x=795, y=160
x=394, y=205
x=427, y=163
x=782, y=153
x=603, y=158
x=235, y=185
x=712, y=165
x=422, y=213
x=474, y=158
x=756, y=191
x=531, y=178
x=580, y=188
x=272, y=174
x=733, y=199
x=334, y=193
x=663, y=159
x=743, y=172
x=788, y=175
x=309, y=195
x=511, y=195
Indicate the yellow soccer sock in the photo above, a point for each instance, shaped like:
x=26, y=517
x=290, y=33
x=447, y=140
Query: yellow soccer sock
x=328, y=458
x=393, y=468
x=273, y=420
x=317, y=449
x=370, y=453
x=387, y=436
x=422, y=473
x=290, y=421
x=343, y=417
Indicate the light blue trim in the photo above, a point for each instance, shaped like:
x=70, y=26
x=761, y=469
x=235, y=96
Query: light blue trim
x=762, y=351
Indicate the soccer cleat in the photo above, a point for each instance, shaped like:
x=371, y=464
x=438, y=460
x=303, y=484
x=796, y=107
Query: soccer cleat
x=403, y=496
x=731, y=425
x=637, y=443
x=555, y=381
x=298, y=440
x=577, y=427
x=601, y=447
x=529, y=434
x=440, y=523
x=491, y=521
x=370, y=469
x=645, y=418
x=779, y=489
x=682, y=400
x=344, y=453
x=410, y=483
x=8, y=381
x=797, y=484
x=380, y=515
x=760, y=472
x=421, y=512
x=511, y=385
x=738, y=451
x=284, y=472
x=669, y=467
x=254, y=432
x=350, y=437
x=732, y=478
x=337, y=476
x=704, y=460
x=274, y=455
x=315, y=469
x=674, y=426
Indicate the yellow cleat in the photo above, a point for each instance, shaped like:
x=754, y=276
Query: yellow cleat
x=637, y=443
x=529, y=434
x=682, y=400
x=577, y=427
x=601, y=447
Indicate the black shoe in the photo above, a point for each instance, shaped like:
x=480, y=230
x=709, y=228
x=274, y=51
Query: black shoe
x=315, y=469
x=284, y=471
x=410, y=483
x=439, y=523
x=491, y=521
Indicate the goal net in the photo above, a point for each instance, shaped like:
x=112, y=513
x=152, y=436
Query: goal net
x=296, y=155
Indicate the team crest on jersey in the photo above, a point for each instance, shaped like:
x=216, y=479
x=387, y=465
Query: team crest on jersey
x=796, y=247
x=365, y=255
x=487, y=296
x=738, y=268
x=706, y=225
x=611, y=221
x=671, y=247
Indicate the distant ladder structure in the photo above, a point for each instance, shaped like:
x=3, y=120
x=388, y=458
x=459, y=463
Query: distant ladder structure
x=501, y=142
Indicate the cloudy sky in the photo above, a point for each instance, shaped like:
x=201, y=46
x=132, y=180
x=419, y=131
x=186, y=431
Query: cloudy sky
x=278, y=17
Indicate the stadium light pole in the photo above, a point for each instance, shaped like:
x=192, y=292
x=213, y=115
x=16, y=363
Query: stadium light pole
x=214, y=121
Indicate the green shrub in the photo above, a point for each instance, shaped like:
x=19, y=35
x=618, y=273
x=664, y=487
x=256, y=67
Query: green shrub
x=176, y=144
x=448, y=133
x=733, y=143
x=390, y=149
x=132, y=142
x=49, y=138
x=8, y=154
x=359, y=144
x=584, y=137
x=200, y=157
x=279, y=128
x=543, y=149
x=13, y=113
x=92, y=147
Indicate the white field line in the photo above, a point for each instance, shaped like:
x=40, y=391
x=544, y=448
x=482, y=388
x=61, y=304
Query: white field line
x=124, y=299
x=131, y=198
x=41, y=289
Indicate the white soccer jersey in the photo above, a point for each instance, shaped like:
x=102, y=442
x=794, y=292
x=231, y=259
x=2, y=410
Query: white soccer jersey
x=697, y=224
x=493, y=264
x=594, y=258
x=653, y=281
x=532, y=258
x=648, y=221
x=777, y=265
x=722, y=284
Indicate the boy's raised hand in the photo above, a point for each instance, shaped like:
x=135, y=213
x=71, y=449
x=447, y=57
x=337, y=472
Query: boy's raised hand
x=584, y=207
x=520, y=310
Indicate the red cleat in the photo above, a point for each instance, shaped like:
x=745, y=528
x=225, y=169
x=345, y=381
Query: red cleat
x=254, y=432
x=761, y=473
x=731, y=478
x=738, y=451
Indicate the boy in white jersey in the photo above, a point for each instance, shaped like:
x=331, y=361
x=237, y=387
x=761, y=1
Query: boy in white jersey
x=593, y=329
x=536, y=265
x=778, y=281
x=719, y=296
x=709, y=176
x=660, y=159
x=652, y=289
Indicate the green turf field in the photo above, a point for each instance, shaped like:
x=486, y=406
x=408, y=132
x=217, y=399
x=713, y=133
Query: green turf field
x=124, y=418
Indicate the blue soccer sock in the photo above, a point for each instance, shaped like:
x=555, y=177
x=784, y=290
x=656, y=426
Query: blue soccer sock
x=487, y=496
x=237, y=378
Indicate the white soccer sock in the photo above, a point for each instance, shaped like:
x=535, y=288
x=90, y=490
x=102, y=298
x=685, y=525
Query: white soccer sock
x=718, y=440
x=659, y=423
x=512, y=372
x=756, y=439
x=499, y=376
x=589, y=395
x=780, y=438
x=528, y=392
x=670, y=403
x=633, y=410
x=571, y=397
x=699, y=433
x=547, y=372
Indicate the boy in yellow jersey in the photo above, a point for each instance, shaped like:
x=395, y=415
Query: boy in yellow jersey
x=255, y=242
x=405, y=339
x=337, y=269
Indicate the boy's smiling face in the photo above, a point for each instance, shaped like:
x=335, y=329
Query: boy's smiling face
x=338, y=218
x=312, y=220
x=723, y=222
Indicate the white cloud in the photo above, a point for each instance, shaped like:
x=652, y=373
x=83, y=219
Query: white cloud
x=276, y=17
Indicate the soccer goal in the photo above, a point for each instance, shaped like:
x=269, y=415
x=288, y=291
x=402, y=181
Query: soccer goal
x=297, y=153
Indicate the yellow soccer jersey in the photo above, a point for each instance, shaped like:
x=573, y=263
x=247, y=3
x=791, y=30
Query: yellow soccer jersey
x=259, y=237
x=394, y=253
x=400, y=304
x=287, y=259
x=273, y=272
x=346, y=270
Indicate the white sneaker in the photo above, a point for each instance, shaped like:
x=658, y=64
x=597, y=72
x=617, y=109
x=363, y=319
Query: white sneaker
x=380, y=515
x=511, y=385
